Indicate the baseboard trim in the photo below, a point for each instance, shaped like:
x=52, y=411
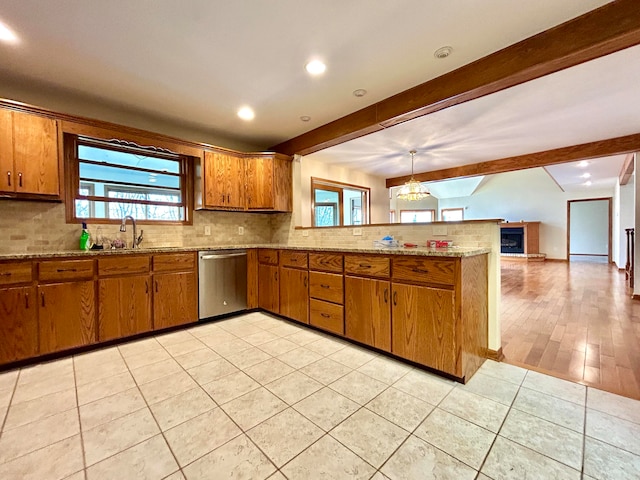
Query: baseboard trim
x=495, y=355
x=635, y=296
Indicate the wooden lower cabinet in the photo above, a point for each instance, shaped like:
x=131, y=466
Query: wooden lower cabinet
x=124, y=306
x=368, y=311
x=268, y=288
x=424, y=325
x=67, y=315
x=175, y=299
x=294, y=294
x=18, y=324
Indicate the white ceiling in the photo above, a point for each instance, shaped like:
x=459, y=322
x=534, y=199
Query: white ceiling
x=197, y=62
x=592, y=101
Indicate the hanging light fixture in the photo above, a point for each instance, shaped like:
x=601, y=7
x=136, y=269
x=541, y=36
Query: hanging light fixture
x=412, y=190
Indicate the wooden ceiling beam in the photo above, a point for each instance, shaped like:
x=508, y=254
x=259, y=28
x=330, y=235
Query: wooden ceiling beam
x=601, y=148
x=608, y=29
x=627, y=169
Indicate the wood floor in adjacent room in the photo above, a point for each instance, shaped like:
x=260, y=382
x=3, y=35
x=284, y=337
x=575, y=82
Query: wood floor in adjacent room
x=574, y=320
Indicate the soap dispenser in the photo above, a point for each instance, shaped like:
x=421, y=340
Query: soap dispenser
x=84, y=237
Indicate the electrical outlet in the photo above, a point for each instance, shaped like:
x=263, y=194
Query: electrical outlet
x=357, y=231
x=305, y=233
x=240, y=230
x=440, y=230
x=207, y=230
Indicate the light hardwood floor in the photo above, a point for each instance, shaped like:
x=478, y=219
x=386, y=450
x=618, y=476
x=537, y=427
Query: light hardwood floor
x=574, y=320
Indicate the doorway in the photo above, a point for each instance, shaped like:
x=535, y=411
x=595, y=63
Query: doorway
x=589, y=229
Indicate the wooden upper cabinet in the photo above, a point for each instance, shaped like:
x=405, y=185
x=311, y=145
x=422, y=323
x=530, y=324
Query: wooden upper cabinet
x=224, y=175
x=269, y=183
x=29, y=154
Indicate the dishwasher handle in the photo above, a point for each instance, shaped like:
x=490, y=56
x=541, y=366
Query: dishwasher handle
x=226, y=255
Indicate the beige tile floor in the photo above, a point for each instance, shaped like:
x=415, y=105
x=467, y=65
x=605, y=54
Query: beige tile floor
x=255, y=397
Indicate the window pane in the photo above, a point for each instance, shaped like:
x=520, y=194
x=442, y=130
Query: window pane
x=326, y=215
x=116, y=174
x=416, y=216
x=352, y=206
x=452, y=215
x=113, y=157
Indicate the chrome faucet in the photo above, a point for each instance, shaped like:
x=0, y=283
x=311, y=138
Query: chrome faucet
x=123, y=228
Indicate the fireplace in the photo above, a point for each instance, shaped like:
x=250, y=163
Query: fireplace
x=512, y=240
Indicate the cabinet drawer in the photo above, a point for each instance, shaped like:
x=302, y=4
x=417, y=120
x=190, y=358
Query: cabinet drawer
x=369, y=266
x=174, y=262
x=425, y=270
x=326, y=286
x=123, y=265
x=290, y=258
x=13, y=273
x=268, y=256
x=65, y=270
x=326, y=316
x=326, y=262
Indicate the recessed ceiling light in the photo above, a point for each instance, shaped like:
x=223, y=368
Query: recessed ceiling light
x=315, y=67
x=586, y=175
x=443, y=52
x=7, y=35
x=246, y=113
x=305, y=118
x=361, y=92
x=582, y=163
x=588, y=183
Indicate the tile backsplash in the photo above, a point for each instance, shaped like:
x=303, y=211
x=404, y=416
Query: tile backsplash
x=36, y=227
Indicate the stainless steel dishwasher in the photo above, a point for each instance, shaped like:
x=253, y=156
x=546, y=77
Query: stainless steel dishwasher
x=222, y=282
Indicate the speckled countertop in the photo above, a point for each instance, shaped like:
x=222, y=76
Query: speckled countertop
x=428, y=252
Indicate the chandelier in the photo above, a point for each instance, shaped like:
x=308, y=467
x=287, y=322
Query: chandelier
x=412, y=190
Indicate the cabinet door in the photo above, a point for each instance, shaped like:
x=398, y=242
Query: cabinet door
x=18, y=324
x=368, y=311
x=35, y=147
x=67, y=316
x=260, y=183
x=294, y=294
x=124, y=306
x=283, y=185
x=268, y=289
x=424, y=326
x=175, y=299
x=7, y=177
x=224, y=180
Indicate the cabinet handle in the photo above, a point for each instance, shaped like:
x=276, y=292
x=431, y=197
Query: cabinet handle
x=419, y=270
x=9, y=178
x=324, y=286
x=364, y=265
x=228, y=198
x=222, y=198
x=276, y=276
x=5, y=274
x=146, y=287
x=42, y=298
x=293, y=259
x=60, y=270
x=26, y=300
x=386, y=295
x=305, y=282
x=395, y=298
x=325, y=315
x=20, y=178
x=156, y=286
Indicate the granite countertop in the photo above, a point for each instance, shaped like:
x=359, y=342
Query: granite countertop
x=422, y=251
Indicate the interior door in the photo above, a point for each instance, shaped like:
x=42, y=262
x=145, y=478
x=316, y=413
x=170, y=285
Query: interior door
x=589, y=229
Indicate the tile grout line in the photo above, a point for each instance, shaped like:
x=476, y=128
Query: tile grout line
x=84, y=456
x=13, y=392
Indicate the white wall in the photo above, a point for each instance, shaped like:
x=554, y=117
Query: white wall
x=623, y=214
x=529, y=195
x=317, y=168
